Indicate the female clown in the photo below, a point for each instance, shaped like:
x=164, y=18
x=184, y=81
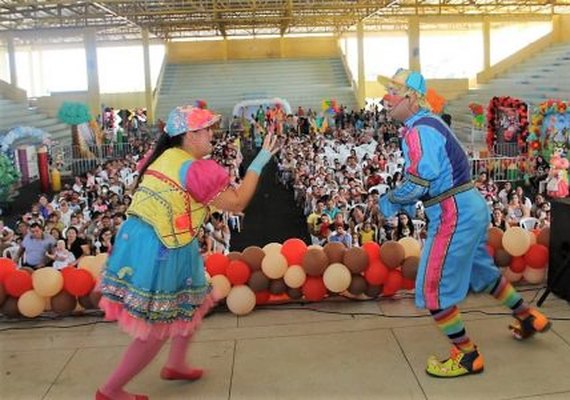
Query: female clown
x=154, y=284
x=455, y=257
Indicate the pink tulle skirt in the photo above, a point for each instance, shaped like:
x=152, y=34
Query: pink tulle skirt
x=141, y=329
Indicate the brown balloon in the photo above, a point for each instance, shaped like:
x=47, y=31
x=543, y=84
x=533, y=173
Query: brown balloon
x=277, y=286
x=495, y=238
x=410, y=267
x=335, y=252
x=63, y=303
x=373, y=291
x=392, y=254
x=315, y=261
x=10, y=308
x=544, y=237
x=356, y=260
x=86, y=302
x=502, y=258
x=358, y=285
x=95, y=297
x=3, y=294
x=234, y=255
x=253, y=255
x=295, y=294
x=258, y=282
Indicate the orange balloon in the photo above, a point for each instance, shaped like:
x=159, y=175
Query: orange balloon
x=495, y=238
x=376, y=273
x=294, y=250
x=536, y=256
x=518, y=264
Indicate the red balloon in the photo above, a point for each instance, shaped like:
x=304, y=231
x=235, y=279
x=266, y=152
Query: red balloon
x=217, y=264
x=393, y=283
x=294, y=250
x=78, y=282
x=537, y=256
x=376, y=273
x=518, y=264
x=408, y=284
x=6, y=267
x=17, y=283
x=373, y=250
x=314, y=288
x=262, y=297
x=491, y=251
x=238, y=272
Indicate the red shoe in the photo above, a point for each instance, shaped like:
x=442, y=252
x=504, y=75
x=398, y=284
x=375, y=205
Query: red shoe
x=101, y=396
x=170, y=374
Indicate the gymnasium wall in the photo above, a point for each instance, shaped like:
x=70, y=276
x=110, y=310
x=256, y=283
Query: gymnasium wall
x=50, y=104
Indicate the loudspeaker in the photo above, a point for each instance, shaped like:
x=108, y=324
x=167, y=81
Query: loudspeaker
x=559, y=265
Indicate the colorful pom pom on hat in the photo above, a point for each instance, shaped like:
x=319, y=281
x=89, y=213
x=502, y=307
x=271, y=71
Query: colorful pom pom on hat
x=189, y=119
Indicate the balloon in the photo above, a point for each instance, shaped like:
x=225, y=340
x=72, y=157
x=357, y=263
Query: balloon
x=258, y=282
x=543, y=237
x=6, y=267
x=408, y=284
x=315, y=246
x=10, y=307
x=502, y=258
x=47, y=282
x=262, y=297
x=410, y=267
x=295, y=276
x=392, y=254
x=234, y=256
x=518, y=264
x=334, y=251
x=3, y=294
x=531, y=237
x=534, y=275
x=17, y=283
x=63, y=303
x=238, y=272
x=373, y=291
x=315, y=262
x=295, y=294
x=491, y=250
x=86, y=303
x=277, y=286
x=95, y=297
x=516, y=241
x=294, y=250
x=272, y=248
x=356, y=260
x=274, y=265
x=221, y=286
x=393, y=283
x=376, y=273
x=495, y=238
x=357, y=285
x=314, y=289
x=412, y=247
x=217, y=264
x=536, y=256
x=96, y=265
x=78, y=282
x=253, y=255
x=86, y=261
x=241, y=300
x=512, y=276
x=31, y=304
x=337, y=277
x=372, y=249
x=28, y=270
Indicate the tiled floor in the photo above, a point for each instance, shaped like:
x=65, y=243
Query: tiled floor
x=292, y=352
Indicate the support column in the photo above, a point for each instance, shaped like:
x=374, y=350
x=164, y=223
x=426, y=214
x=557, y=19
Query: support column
x=93, y=91
x=149, y=104
x=225, y=49
x=361, y=80
x=486, y=44
x=414, y=44
x=281, y=46
x=12, y=60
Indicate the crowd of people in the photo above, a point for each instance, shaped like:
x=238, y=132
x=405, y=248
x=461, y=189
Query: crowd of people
x=84, y=217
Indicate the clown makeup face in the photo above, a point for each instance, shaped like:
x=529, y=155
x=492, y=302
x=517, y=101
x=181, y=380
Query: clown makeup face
x=400, y=106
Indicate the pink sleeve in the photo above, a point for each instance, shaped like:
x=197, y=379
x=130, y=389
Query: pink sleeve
x=205, y=179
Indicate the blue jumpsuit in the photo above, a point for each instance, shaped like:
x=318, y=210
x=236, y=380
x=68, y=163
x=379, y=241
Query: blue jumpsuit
x=437, y=171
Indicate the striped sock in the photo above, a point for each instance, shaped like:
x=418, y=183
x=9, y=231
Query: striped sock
x=503, y=291
x=449, y=321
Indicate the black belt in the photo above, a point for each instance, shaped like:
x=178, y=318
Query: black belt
x=447, y=194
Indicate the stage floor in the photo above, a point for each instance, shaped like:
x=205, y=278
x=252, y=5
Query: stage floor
x=292, y=352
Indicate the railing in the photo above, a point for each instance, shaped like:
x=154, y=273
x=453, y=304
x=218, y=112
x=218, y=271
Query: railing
x=507, y=150
x=75, y=160
x=500, y=169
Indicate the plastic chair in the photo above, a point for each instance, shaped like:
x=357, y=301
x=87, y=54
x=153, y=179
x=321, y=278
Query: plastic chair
x=419, y=225
x=528, y=223
x=381, y=188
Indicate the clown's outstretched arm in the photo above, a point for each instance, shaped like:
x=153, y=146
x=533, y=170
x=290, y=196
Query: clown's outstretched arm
x=422, y=149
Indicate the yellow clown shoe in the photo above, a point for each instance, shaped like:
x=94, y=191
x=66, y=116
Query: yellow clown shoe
x=458, y=364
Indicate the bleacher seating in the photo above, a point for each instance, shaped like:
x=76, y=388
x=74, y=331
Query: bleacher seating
x=224, y=84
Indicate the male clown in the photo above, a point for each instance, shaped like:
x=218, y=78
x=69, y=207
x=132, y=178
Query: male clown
x=455, y=256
